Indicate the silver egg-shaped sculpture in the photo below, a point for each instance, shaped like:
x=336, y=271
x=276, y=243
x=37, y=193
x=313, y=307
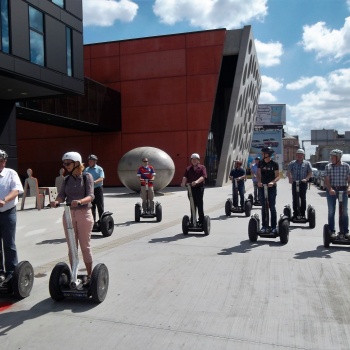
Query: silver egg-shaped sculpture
x=162, y=163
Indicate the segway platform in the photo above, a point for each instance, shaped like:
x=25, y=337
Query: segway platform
x=230, y=208
x=148, y=214
x=105, y=225
x=254, y=203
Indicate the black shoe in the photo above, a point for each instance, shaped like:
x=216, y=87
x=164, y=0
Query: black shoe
x=334, y=234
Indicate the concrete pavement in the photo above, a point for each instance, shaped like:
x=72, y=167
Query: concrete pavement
x=170, y=291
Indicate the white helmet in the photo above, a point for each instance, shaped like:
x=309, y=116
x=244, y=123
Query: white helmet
x=336, y=152
x=75, y=156
x=195, y=156
x=3, y=154
x=300, y=151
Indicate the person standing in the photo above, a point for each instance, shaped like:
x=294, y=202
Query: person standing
x=337, y=178
x=195, y=175
x=268, y=174
x=10, y=188
x=146, y=174
x=254, y=170
x=238, y=174
x=98, y=175
x=299, y=170
x=78, y=191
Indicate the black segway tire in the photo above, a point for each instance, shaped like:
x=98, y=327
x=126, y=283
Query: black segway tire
x=326, y=236
x=247, y=208
x=253, y=230
x=22, y=280
x=137, y=212
x=185, y=224
x=287, y=212
x=159, y=213
x=283, y=230
x=251, y=198
x=228, y=207
x=107, y=225
x=312, y=218
x=206, y=225
x=99, y=283
x=60, y=277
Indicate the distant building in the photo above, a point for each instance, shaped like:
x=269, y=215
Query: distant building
x=290, y=145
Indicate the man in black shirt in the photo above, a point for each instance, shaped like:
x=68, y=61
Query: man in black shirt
x=268, y=174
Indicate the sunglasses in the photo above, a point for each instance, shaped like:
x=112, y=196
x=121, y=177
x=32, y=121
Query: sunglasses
x=67, y=163
x=145, y=161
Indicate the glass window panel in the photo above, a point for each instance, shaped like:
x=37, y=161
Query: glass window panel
x=36, y=20
x=59, y=3
x=69, y=52
x=5, y=38
x=36, y=48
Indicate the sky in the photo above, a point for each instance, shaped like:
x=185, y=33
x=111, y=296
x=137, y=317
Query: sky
x=303, y=47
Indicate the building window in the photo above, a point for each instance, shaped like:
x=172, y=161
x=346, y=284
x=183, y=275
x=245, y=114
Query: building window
x=69, y=51
x=4, y=27
x=59, y=3
x=36, y=25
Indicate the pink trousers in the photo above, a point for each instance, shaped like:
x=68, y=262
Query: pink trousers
x=82, y=223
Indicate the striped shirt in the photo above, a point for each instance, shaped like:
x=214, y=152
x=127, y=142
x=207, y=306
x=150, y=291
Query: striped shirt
x=299, y=170
x=338, y=175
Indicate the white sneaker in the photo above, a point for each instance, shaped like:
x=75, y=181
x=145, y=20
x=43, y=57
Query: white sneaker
x=263, y=230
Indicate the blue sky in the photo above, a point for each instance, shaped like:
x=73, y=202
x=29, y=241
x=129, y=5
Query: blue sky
x=303, y=47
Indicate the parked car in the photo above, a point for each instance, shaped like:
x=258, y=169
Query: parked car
x=271, y=142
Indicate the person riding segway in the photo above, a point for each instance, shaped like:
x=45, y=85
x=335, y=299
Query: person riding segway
x=268, y=176
x=15, y=278
x=238, y=177
x=337, y=182
x=105, y=224
x=299, y=173
x=194, y=179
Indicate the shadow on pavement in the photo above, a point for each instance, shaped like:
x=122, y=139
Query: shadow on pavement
x=52, y=241
x=247, y=246
x=320, y=252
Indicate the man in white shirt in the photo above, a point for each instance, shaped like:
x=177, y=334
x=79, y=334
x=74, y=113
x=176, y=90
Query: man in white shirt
x=10, y=188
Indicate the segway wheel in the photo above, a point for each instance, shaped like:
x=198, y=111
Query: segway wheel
x=159, y=213
x=247, y=208
x=251, y=198
x=283, y=230
x=287, y=212
x=107, y=225
x=60, y=277
x=137, y=212
x=99, y=283
x=228, y=207
x=253, y=230
x=185, y=224
x=22, y=280
x=312, y=218
x=326, y=236
x=206, y=225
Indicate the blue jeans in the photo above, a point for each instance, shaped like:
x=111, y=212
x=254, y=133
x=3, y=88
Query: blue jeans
x=8, y=220
x=240, y=188
x=272, y=193
x=331, y=202
x=256, y=196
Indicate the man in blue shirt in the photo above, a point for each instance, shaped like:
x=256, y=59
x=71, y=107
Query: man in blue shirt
x=238, y=173
x=98, y=174
x=299, y=170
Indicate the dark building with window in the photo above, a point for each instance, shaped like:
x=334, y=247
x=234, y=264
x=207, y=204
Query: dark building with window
x=41, y=55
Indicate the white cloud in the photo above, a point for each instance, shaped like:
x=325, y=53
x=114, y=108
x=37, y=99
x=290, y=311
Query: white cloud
x=266, y=98
x=325, y=42
x=104, y=13
x=326, y=105
x=210, y=14
x=269, y=54
x=304, y=82
x=268, y=86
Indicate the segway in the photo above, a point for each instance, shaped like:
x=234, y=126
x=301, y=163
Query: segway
x=105, y=224
x=148, y=213
x=254, y=229
x=298, y=219
x=340, y=239
x=187, y=225
x=65, y=282
x=20, y=283
x=232, y=206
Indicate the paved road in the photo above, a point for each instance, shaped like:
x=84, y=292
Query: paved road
x=170, y=291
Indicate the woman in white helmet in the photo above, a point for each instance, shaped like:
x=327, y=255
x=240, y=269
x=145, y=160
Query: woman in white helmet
x=195, y=175
x=78, y=190
x=337, y=178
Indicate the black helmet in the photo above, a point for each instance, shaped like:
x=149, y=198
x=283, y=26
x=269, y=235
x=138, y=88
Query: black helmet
x=268, y=150
x=92, y=157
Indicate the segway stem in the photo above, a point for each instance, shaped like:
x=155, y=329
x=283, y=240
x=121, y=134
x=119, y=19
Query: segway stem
x=297, y=189
x=193, y=208
x=340, y=199
x=266, y=197
x=147, y=206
